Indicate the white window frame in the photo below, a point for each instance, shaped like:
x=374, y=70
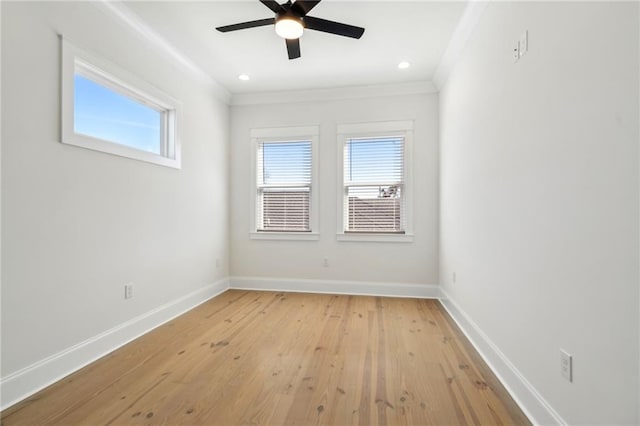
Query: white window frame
x=124, y=83
x=284, y=134
x=377, y=129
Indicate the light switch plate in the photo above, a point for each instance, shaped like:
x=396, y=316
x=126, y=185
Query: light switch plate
x=523, y=43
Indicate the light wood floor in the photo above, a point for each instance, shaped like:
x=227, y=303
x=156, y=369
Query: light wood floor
x=285, y=359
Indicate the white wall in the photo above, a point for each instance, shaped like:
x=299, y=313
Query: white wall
x=415, y=262
x=539, y=198
x=78, y=224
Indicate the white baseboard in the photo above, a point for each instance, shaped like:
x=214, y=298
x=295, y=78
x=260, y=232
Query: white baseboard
x=537, y=409
x=29, y=380
x=426, y=291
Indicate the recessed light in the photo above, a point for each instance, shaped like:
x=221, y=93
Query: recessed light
x=404, y=65
x=244, y=77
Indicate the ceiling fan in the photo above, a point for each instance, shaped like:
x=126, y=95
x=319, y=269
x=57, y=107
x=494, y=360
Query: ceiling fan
x=290, y=21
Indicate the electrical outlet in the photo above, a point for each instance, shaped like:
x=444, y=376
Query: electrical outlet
x=128, y=291
x=566, y=365
x=516, y=52
x=325, y=262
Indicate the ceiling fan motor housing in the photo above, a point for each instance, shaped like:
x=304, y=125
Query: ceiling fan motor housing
x=291, y=19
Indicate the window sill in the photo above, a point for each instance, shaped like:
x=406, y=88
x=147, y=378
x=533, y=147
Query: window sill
x=285, y=236
x=94, y=144
x=376, y=238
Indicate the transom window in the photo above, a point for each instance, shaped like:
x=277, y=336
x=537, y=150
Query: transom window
x=106, y=114
x=107, y=109
x=284, y=184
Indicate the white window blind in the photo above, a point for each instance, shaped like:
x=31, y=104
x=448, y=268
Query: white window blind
x=283, y=171
x=374, y=185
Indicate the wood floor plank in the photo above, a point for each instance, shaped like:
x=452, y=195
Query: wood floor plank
x=272, y=358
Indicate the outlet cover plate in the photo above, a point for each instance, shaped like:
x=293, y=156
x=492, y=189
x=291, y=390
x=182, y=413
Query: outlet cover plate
x=516, y=51
x=128, y=291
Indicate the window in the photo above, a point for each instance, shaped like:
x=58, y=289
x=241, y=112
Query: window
x=284, y=182
x=106, y=109
x=373, y=184
x=375, y=189
x=284, y=185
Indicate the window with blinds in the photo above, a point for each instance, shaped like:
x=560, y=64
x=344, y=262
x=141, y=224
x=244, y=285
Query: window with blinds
x=374, y=183
x=283, y=171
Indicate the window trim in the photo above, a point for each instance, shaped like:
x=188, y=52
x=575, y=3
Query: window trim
x=376, y=129
x=284, y=134
x=107, y=74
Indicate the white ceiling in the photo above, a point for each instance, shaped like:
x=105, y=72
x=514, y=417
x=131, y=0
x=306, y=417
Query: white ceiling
x=414, y=31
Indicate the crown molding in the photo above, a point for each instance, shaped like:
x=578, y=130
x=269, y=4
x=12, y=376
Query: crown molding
x=459, y=39
x=131, y=20
x=461, y=35
x=334, y=93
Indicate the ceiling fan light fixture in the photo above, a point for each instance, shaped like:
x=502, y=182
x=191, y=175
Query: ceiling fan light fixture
x=290, y=21
x=289, y=28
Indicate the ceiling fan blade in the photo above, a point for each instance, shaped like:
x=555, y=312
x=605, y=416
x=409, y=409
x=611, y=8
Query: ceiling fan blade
x=332, y=27
x=249, y=24
x=273, y=5
x=302, y=7
x=293, y=48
